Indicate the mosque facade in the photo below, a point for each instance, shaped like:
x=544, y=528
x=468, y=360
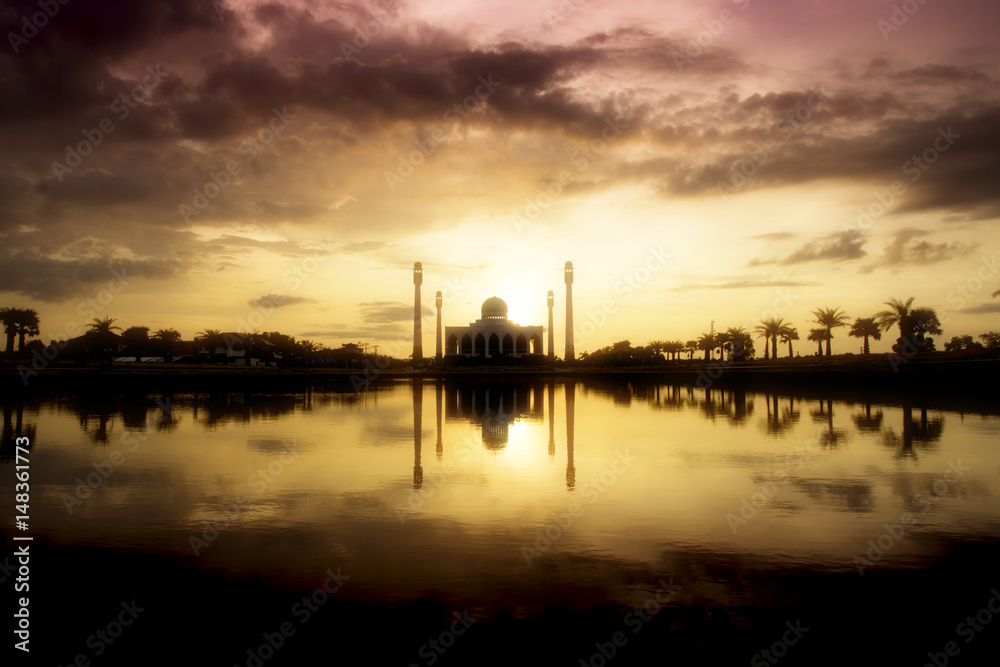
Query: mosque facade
x=493, y=336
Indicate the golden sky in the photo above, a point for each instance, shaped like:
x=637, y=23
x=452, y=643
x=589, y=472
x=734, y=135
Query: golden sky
x=280, y=166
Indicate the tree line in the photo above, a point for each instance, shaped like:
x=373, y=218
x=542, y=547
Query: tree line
x=916, y=327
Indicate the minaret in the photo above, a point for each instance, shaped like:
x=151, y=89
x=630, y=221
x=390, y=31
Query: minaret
x=437, y=300
x=552, y=335
x=568, y=274
x=418, y=338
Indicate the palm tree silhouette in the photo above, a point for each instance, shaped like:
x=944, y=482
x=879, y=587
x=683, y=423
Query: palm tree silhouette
x=770, y=329
x=819, y=335
x=707, y=342
x=913, y=323
x=830, y=318
x=866, y=327
x=137, y=336
x=166, y=338
x=657, y=346
x=788, y=334
x=674, y=348
x=104, y=325
x=925, y=321
x=19, y=322
x=722, y=342
x=690, y=347
x=27, y=324
x=9, y=319
x=167, y=335
x=898, y=313
x=211, y=338
x=739, y=342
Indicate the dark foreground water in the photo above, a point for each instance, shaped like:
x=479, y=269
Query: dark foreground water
x=548, y=523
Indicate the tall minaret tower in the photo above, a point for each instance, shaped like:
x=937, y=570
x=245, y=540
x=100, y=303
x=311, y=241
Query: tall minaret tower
x=552, y=335
x=568, y=274
x=438, y=298
x=418, y=338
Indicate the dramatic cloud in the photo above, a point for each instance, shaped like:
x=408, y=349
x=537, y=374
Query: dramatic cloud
x=837, y=247
x=227, y=153
x=906, y=248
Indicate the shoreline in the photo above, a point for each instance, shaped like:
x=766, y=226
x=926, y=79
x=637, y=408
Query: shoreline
x=956, y=378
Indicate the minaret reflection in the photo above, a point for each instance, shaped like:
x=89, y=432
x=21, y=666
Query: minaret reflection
x=418, y=408
x=570, y=417
x=494, y=407
x=437, y=404
x=552, y=419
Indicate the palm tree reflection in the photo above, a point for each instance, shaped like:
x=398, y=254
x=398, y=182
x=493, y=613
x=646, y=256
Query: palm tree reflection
x=924, y=433
x=832, y=436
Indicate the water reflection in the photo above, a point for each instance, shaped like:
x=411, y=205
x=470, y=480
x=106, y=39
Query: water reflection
x=823, y=414
x=926, y=433
x=780, y=419
x=451, y=529
x=418, y=409
x=14, y=427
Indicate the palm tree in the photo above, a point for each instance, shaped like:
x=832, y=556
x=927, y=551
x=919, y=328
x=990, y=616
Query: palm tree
x=722, y=342
x=898, y=313
x=788, y=334
x=762, y=331
x=27, y=324
x=819, y=335
x=19, y=322
x=830, y=318
x=9, y=319
x=166, y=335
x=137, y=336
x=657, y=346
x=740, y=344
x=674, y=348
x=105, y=325
x=690, y=347
x=925, y=321
x=166, y=338
x=771, y=329
x=866, y=327
x=913, y=323
x=707, y=343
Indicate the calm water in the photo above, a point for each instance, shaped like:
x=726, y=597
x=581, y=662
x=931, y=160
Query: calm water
x=529, y=506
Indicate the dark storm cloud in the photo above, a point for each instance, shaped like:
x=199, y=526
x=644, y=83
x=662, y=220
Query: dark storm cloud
x=47, y=279
x=948, y=157
x=221, y=89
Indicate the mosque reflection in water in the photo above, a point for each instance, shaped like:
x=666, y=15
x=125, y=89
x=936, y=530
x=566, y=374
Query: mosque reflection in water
x=493, y=407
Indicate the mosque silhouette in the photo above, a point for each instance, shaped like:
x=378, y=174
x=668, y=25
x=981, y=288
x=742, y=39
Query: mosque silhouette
x=494, y=339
